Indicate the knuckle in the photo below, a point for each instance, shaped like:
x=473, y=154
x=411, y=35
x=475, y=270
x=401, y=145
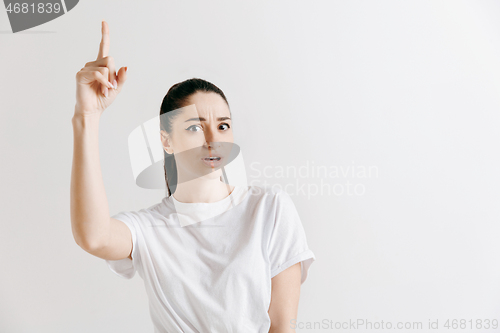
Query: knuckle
x=109, y=61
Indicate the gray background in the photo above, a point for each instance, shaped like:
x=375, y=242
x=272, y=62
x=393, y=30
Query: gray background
x=410, y=87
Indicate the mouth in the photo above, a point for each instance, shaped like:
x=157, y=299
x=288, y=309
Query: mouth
x=212, y=158
x=212, y=161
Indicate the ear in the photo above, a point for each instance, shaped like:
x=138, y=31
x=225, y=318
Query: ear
x=166, y=142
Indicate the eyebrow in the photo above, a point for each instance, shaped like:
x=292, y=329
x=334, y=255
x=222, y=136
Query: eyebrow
x=203, y=119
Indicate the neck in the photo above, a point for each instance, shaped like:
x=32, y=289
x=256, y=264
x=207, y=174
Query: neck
x=201, y=190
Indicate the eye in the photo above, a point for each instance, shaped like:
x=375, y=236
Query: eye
x=193, y=128
x=225, y=124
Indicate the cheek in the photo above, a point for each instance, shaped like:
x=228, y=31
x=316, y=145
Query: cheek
x=187, y=141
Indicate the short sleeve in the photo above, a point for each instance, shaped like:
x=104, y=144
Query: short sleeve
x=288, y=243
x=126, y=268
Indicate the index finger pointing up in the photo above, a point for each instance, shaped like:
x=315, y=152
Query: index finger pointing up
x=104, y=47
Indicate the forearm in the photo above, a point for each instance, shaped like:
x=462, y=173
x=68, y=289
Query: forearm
x=89, y=205
x=285, y=294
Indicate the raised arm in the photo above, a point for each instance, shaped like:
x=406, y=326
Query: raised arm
x=97, y=86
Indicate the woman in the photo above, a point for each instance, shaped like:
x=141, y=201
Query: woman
x=214, y=257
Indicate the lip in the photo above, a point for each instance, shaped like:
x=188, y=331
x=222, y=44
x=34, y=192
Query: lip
x=212, y=164
x=213, y=155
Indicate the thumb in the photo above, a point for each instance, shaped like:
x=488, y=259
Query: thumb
x=121, y=77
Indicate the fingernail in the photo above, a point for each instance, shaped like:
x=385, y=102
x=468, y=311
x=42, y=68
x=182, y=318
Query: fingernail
x=106, y=92
x=110, y=85
x=126, y=69
x=115, y=84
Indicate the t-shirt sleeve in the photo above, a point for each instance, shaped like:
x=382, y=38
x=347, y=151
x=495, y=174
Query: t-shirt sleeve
x=288, y=243
x=126, y=268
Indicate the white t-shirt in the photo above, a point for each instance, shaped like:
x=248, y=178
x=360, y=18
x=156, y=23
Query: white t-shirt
x=207, y=267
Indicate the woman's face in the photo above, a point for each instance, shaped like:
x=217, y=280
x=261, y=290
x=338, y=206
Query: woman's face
x=201, y=137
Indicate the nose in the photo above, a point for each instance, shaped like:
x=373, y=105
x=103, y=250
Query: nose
x=212, y=138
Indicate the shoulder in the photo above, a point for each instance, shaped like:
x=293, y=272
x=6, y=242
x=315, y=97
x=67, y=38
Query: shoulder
x=272, y=195
x=142, y=216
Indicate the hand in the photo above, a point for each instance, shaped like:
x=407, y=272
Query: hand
x=98, y=84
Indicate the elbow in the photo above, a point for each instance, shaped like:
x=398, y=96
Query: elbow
x=87, y=244
x=84, y=240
